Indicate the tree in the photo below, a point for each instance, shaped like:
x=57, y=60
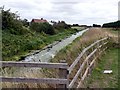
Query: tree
x=95, y=25
x=60, y=25
x=112, y=24
x=11, y=22
x=42, y=27
x=49, y=29
x=25, y=22
x=75, y=24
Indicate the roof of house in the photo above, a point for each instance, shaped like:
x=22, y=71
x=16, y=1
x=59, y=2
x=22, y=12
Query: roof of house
x=39, y=20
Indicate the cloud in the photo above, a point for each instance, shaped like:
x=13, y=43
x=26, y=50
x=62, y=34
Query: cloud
x=71, y=11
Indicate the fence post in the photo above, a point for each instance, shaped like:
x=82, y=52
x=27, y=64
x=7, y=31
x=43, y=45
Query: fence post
x=104, y=46
x=63, y=73
x=98, y=50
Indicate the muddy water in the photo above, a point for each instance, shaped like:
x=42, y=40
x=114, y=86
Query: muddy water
x=49, y=53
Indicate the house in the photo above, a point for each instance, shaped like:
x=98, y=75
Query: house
x=38, y=20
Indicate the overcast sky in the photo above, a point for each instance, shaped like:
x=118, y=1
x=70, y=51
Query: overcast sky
x=71, y=11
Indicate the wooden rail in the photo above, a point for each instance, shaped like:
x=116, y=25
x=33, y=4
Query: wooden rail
x=63, y=81
x=99, y=44
x=82, y=53
x=34, y=64
x=85, y=74
x=35, y=80
x=80, y=69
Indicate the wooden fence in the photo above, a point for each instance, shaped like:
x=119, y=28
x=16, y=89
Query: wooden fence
x=89, y=55
x=85, y=61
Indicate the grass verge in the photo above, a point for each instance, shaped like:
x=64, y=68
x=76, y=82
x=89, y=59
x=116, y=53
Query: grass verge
x=108, y=62
x=70, y=52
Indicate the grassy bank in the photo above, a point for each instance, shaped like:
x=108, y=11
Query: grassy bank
x=16, y=46
x=108, y=62
x=69, y=54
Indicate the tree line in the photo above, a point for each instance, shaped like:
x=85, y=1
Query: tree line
x=12, y=23
x=112, y=25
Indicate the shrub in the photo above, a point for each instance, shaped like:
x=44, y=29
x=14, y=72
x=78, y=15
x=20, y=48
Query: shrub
x=61, y=25
x=42, y=27
x=11, y=23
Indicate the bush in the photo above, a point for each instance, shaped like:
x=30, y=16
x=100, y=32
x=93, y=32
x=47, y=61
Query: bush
x=49, y=29
x=61, y=25
x=42, y=27
x=11, y=23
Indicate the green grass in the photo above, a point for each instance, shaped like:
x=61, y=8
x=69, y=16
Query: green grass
x=16, y=46
x=70, y=52
x=115, y=31
x=108, y=62
x=77, y=27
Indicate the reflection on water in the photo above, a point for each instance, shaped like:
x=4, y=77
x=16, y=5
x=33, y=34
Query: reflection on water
x=49, y=53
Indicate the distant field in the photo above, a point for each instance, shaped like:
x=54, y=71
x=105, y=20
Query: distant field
x=76, y=27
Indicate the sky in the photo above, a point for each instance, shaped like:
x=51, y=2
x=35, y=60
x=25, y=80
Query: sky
x=71, y=11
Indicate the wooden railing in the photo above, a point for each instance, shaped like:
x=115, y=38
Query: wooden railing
x=86, y=65
x=89, y=55
x=62, y=81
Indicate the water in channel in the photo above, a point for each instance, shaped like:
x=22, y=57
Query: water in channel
x=49, y=53
x=41, y=56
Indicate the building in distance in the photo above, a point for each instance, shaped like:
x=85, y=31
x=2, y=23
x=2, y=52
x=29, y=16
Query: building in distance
x=38, y=20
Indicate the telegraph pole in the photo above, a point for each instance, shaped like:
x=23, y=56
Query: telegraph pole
x=119, y=10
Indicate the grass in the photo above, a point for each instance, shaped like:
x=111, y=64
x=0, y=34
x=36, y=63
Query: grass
x=16, y=46
x=69, y=54
x=108, y=62
x=77, y=27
